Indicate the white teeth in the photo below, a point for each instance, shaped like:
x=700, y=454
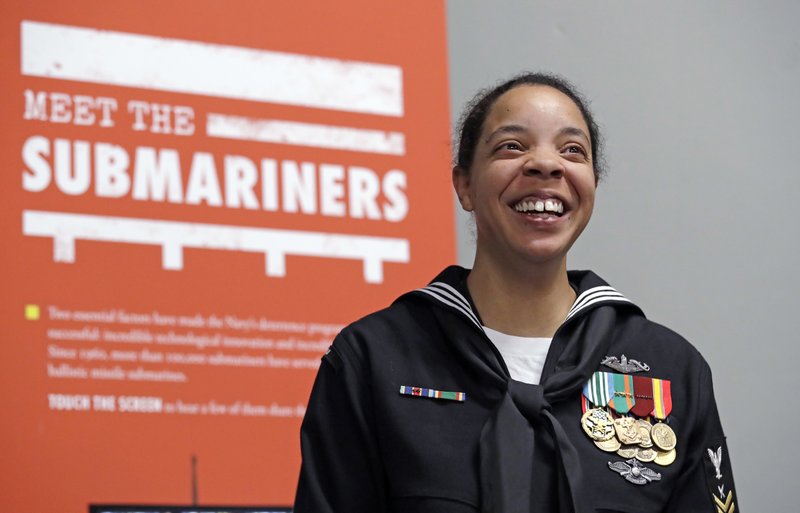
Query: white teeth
x=548, y=205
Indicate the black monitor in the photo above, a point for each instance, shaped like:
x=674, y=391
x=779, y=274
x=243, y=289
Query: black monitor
x=132, y=508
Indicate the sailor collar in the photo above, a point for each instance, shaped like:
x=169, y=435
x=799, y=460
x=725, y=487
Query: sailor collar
x=524, y=410
x=449, y=289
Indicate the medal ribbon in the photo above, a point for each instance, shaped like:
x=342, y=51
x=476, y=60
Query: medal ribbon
x=623, y=399
x=662, y=397
x=643, y=393
x=600, y=388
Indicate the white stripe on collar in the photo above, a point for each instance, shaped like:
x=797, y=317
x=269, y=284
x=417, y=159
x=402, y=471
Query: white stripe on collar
x=451, y=297
x=595, y=295
x=448, y=295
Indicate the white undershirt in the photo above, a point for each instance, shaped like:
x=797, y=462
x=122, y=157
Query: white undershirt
x=524, y=356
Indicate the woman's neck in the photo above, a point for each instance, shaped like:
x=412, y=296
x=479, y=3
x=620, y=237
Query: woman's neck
x=528, y=303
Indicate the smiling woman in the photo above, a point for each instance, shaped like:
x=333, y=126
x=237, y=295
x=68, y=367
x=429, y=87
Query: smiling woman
x=508, y=387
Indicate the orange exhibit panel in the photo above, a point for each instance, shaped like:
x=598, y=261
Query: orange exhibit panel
x=197, y=196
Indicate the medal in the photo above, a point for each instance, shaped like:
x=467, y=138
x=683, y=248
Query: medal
x=635, y=439
x=665, y=458
x=643, y=427
x=663, y=436
x=627, y=451
x=662, y=398
x=643, y=395
x=623, y=399
x=645, y=455
x=610, y=445
x=627, y=430
x=598, y=424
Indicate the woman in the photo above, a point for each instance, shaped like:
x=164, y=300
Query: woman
x=516, y=386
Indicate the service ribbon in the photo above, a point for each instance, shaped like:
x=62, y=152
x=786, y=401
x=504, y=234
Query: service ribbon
x=599, y=389
x=623, y=400
x=643, y=394
x=662, y=397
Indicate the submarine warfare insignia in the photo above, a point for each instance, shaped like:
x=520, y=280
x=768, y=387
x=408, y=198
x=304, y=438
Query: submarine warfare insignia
x=624, y=364
x=618, y=414
x=634, y=472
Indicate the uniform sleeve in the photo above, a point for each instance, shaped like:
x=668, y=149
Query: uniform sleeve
x=706, y=485
x=341, y=470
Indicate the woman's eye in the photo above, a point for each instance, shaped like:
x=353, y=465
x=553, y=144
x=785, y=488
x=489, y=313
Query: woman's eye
x=577, y=150
x=510, y=146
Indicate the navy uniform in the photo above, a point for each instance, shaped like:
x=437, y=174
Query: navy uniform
x=502, y=446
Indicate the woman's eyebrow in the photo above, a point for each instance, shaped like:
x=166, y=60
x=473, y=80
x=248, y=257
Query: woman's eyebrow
x=518, y=129
x=506, y=129
x=572, y=130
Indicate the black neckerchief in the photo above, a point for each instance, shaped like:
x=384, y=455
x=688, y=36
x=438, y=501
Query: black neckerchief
x=579, y=344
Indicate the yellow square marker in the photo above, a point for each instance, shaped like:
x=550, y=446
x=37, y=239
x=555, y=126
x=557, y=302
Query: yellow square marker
x=32, y=312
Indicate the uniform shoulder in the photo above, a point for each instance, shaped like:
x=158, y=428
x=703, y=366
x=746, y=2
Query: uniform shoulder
x=666, y=344
x=380, y=330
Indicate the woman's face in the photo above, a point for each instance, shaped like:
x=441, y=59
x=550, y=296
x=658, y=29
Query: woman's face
x=531, y=185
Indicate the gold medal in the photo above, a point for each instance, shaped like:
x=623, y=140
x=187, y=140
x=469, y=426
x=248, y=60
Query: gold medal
x=627, y=451
x=665, y=458
x=663, y=436
x=610, y=445
x=646, y=454
x=644, y=428
x=598, y=424
x=627, y=430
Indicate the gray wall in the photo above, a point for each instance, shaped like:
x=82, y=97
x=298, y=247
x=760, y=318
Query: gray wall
x=699, y=102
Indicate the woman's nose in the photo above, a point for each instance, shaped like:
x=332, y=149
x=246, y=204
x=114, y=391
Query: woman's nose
x=544, y=164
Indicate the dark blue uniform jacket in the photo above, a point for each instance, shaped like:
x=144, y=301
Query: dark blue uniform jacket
x=510, y=447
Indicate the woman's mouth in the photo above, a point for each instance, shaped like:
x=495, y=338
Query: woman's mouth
x=540, y=207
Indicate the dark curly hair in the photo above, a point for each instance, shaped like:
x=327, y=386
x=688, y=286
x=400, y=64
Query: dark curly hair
x=475, y=114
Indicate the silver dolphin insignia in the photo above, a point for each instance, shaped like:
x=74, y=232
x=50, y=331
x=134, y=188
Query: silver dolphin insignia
x=624, y=364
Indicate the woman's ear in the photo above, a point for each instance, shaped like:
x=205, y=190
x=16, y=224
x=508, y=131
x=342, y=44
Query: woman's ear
x=461, y=183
